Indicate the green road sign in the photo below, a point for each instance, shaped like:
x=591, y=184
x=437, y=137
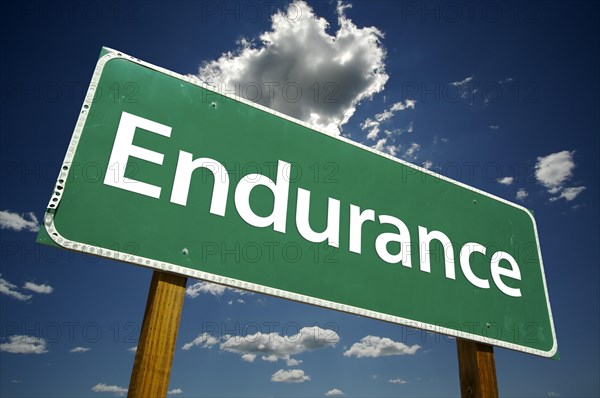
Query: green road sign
x=164, y=172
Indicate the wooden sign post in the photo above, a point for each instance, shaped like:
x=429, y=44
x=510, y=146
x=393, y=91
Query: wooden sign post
x=156, y=346
x=477, y=370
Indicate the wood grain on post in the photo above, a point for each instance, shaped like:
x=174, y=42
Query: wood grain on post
x=156, y=346
x=477, y=370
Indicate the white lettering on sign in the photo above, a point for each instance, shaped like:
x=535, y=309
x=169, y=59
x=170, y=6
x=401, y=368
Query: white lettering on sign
x=183, y=178
x=280, y=190
x=332, y=231
x=123, y=148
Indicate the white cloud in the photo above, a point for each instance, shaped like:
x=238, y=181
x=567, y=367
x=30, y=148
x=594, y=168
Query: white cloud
x=204, y=340
x=101, y=387
x=10, y=290
x=398, y=381
x=289, y=376
x=466, y=90
x=462, y=82
x=374, y=347
x=271, y=347
x=199, y=288
x=336, y=392
x=409, y=129
x=569, y=194
x=382, y=147
x=248, y=357
x=79, y=349
x=374, y=126
x=522, y=194
x=22, y=344
x=554, y=170
x=495, y=126
x=508, y=79
x=14, y=221
x=427, y=164
x=41, y=289
x=411, y=152
x=553, y=394
x=391, y=111
x=175, y=391
x=299, y=69
x=506, y=180
x=293, y=362
x=196, y=289
x=132, y=349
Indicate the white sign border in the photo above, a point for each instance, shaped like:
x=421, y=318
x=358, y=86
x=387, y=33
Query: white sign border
x=176, y=269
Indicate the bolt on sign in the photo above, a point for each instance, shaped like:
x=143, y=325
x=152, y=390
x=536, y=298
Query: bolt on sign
x=214, y=187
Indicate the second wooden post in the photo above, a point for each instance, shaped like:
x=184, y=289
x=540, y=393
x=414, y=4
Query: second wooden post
x=477, y=370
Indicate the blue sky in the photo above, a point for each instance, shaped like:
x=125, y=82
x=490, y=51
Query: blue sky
x=501, y=96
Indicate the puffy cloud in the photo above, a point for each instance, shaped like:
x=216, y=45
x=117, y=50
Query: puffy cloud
x=175, y=391
x=522, y=194
x=22, y=344
x=374, y=347
x=79, y=349
x=17, y=222
x=554, y=170
x=293, y=362
x=101, y=387
x=372, y=126
x=495, y=126
x=427, y=164
x=398, y=381
x=569, y=194
x=411, y=152
x=334, y=393
x=41, y=289
x=270, y=347
x=506, y=180
x=382, y=147
x=132, y=349
x=10, y=290
x=273, y=347
x=248, y=357
x=204, y=340
x=290, y=376
x=301, y=70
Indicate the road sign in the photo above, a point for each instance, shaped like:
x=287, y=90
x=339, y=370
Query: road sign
x=165, y=172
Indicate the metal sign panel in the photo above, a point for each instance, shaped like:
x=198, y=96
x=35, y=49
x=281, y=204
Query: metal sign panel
x=165, y=172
